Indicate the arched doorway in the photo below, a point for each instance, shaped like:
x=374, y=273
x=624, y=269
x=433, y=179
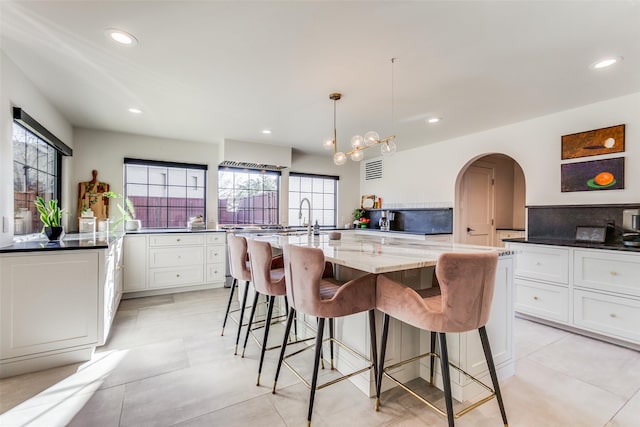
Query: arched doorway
x=490, y=200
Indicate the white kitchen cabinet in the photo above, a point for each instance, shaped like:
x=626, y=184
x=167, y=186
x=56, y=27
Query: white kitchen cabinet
x=507, y=234
x=173, y=262
x=596, y=291
x=112, y=286
x=56, y=306
x=135, y=262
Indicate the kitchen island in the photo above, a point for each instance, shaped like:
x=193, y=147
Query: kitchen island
x=411, y=261
x=57, y=300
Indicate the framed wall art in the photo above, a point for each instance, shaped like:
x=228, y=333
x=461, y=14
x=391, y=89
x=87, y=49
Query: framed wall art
x=593, y=142
x=595, y=175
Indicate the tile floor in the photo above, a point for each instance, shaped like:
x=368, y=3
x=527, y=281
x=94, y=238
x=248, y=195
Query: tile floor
x=166, y=364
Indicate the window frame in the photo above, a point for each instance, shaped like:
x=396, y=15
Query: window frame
x=164, y=164
x=335, y=180
x=250, y=171
x=33, y=129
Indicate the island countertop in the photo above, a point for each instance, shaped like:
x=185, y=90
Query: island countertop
x=376, y=254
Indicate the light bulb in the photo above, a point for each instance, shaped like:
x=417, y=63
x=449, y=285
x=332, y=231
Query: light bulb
x=339, y=158
x=357, y=141
x=388, y=148
x=327, y=143
x=371, y=137
x=357, y=155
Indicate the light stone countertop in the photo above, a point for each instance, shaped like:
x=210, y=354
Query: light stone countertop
x=375, y=254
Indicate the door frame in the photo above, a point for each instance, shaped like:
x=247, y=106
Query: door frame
x=460, y=235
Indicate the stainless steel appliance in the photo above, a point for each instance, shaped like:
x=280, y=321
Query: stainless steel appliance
x=385, y=220
x=631, y=226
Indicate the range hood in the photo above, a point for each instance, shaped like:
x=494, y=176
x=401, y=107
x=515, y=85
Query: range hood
x=251, y=155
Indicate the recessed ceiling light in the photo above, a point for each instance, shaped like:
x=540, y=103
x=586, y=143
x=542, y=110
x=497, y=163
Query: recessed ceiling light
x=135, y=110
x=266, y=132
x=121, y=37
x=606, y=62
x=434, y=120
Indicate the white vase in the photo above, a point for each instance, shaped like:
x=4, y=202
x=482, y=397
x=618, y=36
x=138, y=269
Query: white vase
x=132, y=225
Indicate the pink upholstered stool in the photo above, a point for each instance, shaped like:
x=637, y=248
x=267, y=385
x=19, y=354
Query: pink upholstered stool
x=461, y=303
x=240, y=270
x=267, y=275
x=309, y=293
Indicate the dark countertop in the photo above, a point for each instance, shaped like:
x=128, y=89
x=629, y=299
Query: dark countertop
x=72, y=241
x=573, y=244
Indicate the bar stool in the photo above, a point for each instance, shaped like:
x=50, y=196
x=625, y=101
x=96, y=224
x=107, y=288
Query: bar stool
x=240, y=270
x=461, y=303
x=267, y=275
x=327, y=298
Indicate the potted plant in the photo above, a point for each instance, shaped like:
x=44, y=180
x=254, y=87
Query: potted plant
x=51, y=217
x=357, y=214
x=129, y=216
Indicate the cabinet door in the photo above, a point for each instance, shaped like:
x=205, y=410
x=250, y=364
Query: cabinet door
x=135, y=263
x=542, y=263
x=48, y=302
x=609, y=271
x=542, y=300
x=607, y=314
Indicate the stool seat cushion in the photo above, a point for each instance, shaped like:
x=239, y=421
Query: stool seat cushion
x=310, y=291
x=461, y=303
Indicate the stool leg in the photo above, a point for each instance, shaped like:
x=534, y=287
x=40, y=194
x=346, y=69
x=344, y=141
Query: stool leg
x=446, y=379
x=383, y=350
x=316, y=362
x=433, y=358
x=287, y=330
x=253, y=313
x=331, y=342
x=492, y=371
x=374, y=345
x=234, y=284
x=266, y=336
x=244, y=303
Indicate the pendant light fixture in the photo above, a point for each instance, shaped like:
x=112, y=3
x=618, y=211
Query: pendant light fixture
x=360, y=143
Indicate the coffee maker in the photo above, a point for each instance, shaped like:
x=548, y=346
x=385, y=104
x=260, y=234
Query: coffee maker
x=631, y=226
x=385, y=220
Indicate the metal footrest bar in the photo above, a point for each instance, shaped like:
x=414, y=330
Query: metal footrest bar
x=457, y=415
x=335, y=380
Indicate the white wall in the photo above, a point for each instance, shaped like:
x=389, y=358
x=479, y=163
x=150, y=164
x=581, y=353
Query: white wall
x=17, y=91
x=105, y=151
x=429, y=173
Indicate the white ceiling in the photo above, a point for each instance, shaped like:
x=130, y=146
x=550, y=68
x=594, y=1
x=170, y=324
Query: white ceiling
x=208, y=71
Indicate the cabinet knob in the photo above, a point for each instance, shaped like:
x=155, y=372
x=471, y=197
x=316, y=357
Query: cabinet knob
x=538, y=263
x=215, y=272
x=535, y=298
x=177, y=275
x=216, y=254
x=178, y=239
x=613, y=315
x=614, y=273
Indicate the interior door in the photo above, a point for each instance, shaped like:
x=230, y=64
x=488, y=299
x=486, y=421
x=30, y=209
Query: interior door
x=478, y=199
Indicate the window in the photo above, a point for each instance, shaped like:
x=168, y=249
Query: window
x=248, y=196
x=165, y=194
x=37, y=166
x=321, y=190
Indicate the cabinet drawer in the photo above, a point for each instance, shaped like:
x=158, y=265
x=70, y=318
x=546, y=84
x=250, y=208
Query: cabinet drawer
x=215, y=254
x=542, y=263
x=215, y=273
x=542, y=300
x=611, y=272
x=176, y=240
x=174, y=257
x=216, y=238
x=166, y=277
x=607, y=314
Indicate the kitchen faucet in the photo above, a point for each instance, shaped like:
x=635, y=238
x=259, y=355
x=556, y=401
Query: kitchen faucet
x=300, y=214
